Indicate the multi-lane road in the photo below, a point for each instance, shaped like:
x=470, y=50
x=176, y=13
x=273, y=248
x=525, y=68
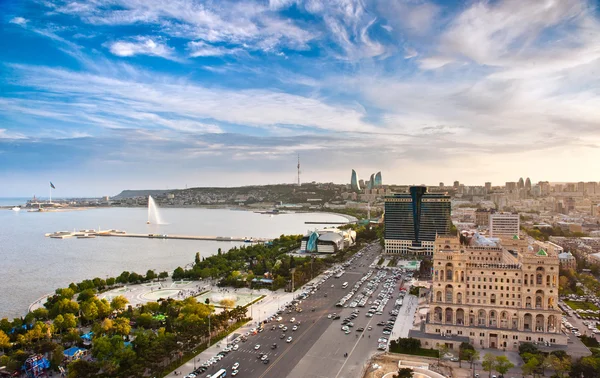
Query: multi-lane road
x=318, y=346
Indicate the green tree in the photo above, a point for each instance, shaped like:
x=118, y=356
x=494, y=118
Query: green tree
x=443, y=350
x=107, y=325
x=404, y=373
x=163, y=275
x=531, y=366
x=70, y=321
x=119, y=302
x=502, y=365
x=4, y=341
x=40, y=313
x=82, y=369
x=465, y=352
x=121, y=326
x=560, y=365
x=145, y=320
x=488, y=363
x=57, y=356
x=151, y=275
x=178, y=273
x=89, y=310
x=197, y=258
x=59, y=323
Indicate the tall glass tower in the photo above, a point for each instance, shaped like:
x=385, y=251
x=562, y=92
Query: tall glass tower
x=413, y=219
x=354, y=182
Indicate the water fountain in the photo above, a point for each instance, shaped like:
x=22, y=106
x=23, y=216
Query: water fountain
x=153, y=214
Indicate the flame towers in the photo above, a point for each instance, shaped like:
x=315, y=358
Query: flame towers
x=354, y=182
x=374, y=182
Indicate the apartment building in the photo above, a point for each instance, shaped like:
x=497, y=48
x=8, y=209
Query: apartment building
x=504, y=225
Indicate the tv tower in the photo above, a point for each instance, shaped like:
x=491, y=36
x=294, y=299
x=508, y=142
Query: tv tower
x=298, y=169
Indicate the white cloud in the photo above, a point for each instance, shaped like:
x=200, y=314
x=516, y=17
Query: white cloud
x=235, y=23
x=413, y=17
x=142, y=46
x=201, y=49
x=168, y=95
x=18, y=21
x=6, y=134
x=488, y=33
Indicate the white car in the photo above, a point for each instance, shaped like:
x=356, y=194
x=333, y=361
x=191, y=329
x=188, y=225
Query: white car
x=292, y=320
x=235, y=347
x=234, y=373
x=264, y=357
x=235, y=366
x=279, y=318
x=281, y=326
x=257, y=346
x=284, y=329
x=294, y=328
x=289, y=340
x=329, y=316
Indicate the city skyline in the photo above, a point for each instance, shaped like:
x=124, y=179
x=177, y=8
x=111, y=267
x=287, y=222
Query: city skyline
x=103, y=96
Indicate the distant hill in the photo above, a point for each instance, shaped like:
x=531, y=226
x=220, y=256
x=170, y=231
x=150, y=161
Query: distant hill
x=139, y=193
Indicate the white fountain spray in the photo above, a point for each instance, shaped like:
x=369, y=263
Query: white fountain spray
x=153, y=214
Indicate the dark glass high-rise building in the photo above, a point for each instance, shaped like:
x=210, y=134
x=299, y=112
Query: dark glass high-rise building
x=412, y=220
x=354, y=182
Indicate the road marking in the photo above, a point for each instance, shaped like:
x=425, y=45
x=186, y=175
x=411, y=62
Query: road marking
x=292, y=346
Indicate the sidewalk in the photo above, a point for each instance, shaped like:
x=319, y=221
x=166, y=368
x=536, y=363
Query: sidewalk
x=258, y=311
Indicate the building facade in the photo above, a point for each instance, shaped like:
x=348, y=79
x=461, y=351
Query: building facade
x=482, y=217
x=567, y=260
x=504, y=225
x=413, y=220
x=497, y=296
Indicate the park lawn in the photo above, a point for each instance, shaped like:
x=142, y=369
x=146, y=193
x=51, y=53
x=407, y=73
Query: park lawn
x=576, y=305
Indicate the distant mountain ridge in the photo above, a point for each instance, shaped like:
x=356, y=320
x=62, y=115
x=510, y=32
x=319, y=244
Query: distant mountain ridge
x=139, y=193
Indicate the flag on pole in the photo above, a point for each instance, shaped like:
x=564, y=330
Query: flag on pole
x=52, y=185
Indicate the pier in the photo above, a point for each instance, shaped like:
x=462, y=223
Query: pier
x=86, y=234
x=336, y=223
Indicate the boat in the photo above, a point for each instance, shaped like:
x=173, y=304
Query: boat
x=16, y=208
x=248, y=240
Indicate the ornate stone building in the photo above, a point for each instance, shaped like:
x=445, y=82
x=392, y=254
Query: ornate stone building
x=497, y=295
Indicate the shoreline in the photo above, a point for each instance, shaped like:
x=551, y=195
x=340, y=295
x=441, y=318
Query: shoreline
x=39, y=302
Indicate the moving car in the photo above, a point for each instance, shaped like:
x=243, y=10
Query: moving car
x=289, y=340
x=257, y=346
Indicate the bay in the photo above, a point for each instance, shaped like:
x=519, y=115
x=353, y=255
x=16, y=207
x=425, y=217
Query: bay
x=32, y=265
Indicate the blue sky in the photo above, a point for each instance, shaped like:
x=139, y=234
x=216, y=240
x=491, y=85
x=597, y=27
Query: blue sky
x=103, y=95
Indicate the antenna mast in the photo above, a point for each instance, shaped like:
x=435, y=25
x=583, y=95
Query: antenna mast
x=298, y=169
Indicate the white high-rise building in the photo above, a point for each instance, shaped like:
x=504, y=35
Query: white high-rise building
x=504, y=225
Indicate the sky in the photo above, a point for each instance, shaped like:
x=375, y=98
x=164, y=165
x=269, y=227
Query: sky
x=103, y=95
